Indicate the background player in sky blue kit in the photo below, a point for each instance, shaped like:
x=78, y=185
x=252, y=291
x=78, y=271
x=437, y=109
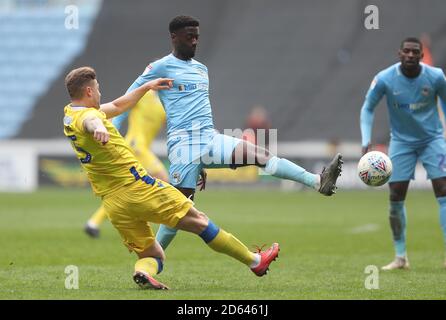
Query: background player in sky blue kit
x=192, y=141
x=412, y=89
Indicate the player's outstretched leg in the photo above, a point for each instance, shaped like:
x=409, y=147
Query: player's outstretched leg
x=246, y=153
x=397, y=220
x=149, y=265
x=166, y=234
x=325, y=183
x=221, y=241
x=92, y=226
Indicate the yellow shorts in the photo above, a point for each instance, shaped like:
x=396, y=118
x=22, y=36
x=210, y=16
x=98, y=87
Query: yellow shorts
x=132, y=208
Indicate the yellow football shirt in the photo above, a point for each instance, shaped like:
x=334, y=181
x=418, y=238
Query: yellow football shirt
x=109, y=166
x=146, y=119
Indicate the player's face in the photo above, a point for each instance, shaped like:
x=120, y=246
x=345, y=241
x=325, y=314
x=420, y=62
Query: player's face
x=94, y=93
x=410, y=55
x=185, y=41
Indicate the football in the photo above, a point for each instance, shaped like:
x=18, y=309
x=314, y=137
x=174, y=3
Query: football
x=375, y=168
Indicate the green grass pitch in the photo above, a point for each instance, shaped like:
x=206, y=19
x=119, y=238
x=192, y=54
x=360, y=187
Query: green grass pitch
x=326, y=244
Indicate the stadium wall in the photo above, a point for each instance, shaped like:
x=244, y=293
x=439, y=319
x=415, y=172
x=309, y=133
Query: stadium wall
x=308, y=62
x=29, y=164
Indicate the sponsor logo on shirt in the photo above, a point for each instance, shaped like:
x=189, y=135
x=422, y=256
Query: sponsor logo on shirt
x=412, y=106
x=147, y=69
x=193, y=86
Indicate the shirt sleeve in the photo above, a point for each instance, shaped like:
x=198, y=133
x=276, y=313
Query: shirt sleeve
x=373, y=96
x=91, y=112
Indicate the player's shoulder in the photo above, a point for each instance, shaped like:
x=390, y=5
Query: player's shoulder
x=432, y=72
x=389, y=72
x=74, y=116
x=198, y=63
x=159, y=63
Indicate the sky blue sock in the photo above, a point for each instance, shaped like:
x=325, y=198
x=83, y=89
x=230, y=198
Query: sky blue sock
x=165, y=235
x=442, y=203
x=284, y=169
x=398, y=225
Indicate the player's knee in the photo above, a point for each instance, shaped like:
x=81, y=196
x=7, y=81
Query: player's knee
x=202, y=221
x=194, y=221
x=187, y=192
x=262, y=157
x=439, y=187
x=396, y=196
x=162, y=175
x=440, y=192
x=397, y=193
x=162, y=257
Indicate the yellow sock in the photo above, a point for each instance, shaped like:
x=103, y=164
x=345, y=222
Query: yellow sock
x=228, y=244
x=151, y=266
x=98, y=217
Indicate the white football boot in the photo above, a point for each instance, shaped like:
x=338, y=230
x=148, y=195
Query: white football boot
x=398, y=263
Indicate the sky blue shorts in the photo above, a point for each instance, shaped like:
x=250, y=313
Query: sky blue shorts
x=186, y=160
x=404, y=158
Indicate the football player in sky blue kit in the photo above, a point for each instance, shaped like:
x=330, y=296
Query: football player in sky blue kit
x=412, y=90
x=192, y=142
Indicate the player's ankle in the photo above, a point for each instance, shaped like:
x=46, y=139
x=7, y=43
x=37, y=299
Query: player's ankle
x=256, y=261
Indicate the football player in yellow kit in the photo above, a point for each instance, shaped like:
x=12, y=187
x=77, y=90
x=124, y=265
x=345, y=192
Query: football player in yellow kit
x=131, y=197
x=145, y=121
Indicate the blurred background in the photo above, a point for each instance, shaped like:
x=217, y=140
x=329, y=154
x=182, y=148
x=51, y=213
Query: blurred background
x=301, y=67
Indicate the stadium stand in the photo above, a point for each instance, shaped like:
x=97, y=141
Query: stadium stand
x=309, y=62
x=35, y=48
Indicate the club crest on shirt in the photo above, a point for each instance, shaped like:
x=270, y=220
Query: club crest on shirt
x=67, y=120
x=425, y=91
x=176, y=177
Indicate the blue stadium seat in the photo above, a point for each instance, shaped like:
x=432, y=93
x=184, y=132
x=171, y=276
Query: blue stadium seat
x=35, y=48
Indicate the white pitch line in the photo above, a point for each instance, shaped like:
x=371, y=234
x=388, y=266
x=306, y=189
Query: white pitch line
x=370, y=227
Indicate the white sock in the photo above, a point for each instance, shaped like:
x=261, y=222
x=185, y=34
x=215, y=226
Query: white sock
x=92, y=225
x=256, y=261
x=317, y=185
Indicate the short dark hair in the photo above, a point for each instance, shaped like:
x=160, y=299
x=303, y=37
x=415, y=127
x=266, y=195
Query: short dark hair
x=182, y=21
x=77, y=79
x=412, y=40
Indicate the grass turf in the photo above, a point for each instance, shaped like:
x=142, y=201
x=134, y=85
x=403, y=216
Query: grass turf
x=326, y=243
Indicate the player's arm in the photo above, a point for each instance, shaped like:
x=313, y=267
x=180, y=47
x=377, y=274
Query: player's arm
x=119, y=120
x=151, y=72
x=373, y=96
x=441, y=90
x=94, y=125
x=127, y=101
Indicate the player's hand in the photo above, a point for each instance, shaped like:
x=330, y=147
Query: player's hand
x=202, y=181
x=366, y=149
x=159, y=84
x=101, y=135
